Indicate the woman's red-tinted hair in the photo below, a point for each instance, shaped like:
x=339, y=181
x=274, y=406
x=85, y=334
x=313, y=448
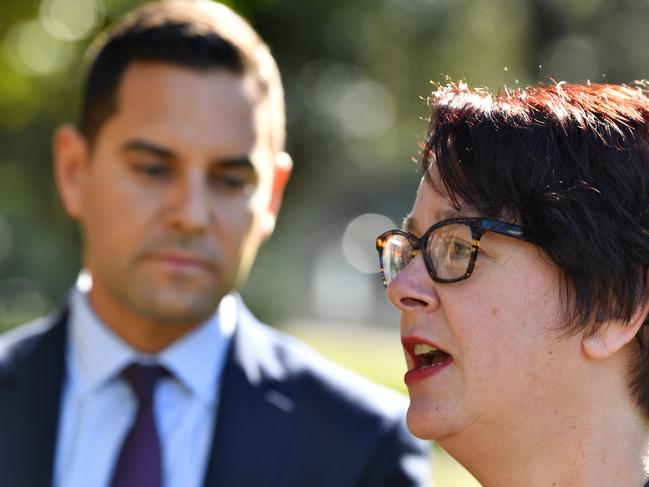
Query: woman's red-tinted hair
x=571, y=163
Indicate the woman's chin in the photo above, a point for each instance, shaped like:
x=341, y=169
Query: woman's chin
x=429, y=421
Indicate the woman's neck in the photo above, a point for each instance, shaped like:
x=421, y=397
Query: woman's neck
x=597, y=447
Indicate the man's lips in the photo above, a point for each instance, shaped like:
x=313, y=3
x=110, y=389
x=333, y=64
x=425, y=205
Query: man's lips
x=424, y=358
x=180, y=261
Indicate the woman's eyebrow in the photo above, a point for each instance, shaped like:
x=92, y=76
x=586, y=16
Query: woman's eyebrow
x=411, y=225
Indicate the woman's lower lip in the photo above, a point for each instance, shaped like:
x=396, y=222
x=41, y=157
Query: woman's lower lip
x=421, y=373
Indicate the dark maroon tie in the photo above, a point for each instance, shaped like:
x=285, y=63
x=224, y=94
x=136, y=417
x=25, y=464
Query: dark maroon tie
x=139, y=463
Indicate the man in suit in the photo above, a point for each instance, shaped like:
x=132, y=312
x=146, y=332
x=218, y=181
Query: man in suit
x=153, y=372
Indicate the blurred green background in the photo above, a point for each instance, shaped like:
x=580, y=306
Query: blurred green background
x=356, y=75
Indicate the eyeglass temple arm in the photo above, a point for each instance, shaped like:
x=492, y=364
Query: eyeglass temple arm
x=507, y=229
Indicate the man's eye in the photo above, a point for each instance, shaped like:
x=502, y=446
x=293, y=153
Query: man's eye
x=153, y=170
x=230, y=181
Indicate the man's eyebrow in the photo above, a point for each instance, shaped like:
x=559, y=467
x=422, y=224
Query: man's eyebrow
x=142, y=145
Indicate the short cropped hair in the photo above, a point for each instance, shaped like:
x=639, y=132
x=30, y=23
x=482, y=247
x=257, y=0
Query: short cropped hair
x=197, y=34
x=570, y=162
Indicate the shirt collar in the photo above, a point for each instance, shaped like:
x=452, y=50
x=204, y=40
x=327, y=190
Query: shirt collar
x=98, y=355
x=197, y=359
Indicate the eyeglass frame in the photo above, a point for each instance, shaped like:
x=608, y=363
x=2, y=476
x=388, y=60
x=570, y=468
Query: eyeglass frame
x=478, y=225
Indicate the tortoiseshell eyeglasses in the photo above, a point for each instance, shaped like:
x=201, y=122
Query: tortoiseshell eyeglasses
x=450, y=247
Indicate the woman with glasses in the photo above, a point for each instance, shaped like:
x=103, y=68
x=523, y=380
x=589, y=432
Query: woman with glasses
x=521, y=278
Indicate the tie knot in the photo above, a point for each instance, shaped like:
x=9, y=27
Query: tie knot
x=142, y=379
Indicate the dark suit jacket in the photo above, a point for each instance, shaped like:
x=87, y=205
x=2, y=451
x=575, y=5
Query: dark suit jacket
x=286, y=416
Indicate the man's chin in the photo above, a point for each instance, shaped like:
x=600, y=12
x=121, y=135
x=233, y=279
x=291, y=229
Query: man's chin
x=173, y=305
x=175, y=312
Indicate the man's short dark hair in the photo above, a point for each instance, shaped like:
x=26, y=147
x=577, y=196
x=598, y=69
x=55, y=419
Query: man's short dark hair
x=571, y=163
x=200, y=35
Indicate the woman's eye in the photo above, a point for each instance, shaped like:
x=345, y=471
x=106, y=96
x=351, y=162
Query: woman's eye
x=459, y=249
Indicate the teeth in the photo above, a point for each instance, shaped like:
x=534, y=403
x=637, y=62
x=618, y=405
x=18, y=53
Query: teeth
x=422, y=348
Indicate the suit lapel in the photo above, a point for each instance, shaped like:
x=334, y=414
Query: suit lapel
x=255, y=420
x=30, y=392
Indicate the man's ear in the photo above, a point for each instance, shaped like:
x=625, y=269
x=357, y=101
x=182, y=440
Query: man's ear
x=71, y=158
x=613, y=336
x=282, y=167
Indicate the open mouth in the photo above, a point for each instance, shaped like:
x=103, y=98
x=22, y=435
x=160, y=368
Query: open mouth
x=425, y=355
x=428, y=356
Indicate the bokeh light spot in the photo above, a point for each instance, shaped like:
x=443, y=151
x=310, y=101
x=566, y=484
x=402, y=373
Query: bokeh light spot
x=30, y=48
x=338, y=292
x=70, y=20
x=572, y=59
x=20, y=301
x=360, y=106
x=359, y=239
x=367, y=109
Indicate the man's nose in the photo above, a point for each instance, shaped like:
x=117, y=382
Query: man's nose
x=191, y=209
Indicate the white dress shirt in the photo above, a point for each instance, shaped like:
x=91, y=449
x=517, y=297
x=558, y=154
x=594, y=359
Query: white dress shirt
x=98, y=407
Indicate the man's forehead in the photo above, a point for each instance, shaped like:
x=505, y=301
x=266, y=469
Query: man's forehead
x=216, y=104
x=144, y=81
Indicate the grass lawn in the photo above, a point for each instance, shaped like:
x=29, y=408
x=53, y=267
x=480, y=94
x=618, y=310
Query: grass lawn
x=376, y=354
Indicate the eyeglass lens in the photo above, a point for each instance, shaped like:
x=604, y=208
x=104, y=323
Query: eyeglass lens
x=397, y=253
x=449, y=251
